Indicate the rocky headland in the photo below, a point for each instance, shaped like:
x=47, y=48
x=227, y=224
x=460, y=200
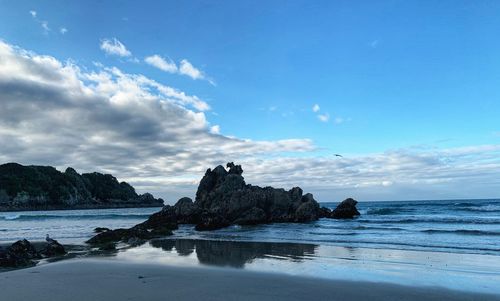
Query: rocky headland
x=223, y=199
x=45, y=188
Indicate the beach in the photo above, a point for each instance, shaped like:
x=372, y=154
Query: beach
x=104, y=279
x=426, y=250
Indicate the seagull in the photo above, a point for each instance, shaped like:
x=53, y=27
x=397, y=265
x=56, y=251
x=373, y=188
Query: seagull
x=337, y=155
x=48, y=239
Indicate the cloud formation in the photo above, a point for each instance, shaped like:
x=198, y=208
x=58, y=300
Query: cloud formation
x=161, y=63
x=44, y=24
x=159, y=139
x=324, y=117
x=185, y=67
x=114, y=47
x=55, y=113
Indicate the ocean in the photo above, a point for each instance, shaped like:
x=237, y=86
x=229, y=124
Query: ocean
x=459, y=226
x=450, y=243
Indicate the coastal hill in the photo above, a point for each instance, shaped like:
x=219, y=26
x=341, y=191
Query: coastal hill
x=45, y=188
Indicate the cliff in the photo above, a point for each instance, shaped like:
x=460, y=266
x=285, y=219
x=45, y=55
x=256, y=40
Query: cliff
x=45, y=188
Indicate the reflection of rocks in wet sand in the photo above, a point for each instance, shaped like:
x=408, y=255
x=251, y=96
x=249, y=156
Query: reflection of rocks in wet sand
x=235, y=253
x=184, y=247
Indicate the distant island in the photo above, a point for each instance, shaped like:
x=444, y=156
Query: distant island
x=45, y=188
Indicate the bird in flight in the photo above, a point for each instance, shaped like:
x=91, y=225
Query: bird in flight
x=337, y=155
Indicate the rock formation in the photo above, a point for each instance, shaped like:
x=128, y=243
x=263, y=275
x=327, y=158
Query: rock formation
x=45, y=188
x=346, y=209
x=223, y=199
x=22, y=253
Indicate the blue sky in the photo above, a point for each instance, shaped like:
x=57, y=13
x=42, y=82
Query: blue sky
x=388, y=76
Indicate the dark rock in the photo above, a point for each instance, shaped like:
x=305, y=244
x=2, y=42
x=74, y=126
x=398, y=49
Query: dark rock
x=346, y=209
x=253, y=216
x=24, y=248
x=101, y=229
x=187, y=212
x=211, y=221
x=234, y=169
x=109, y=236
x=53, y=248
x=222, y=199
x=19, y=254
x=166, y=218
x=152, y=228
x=324, y=212
x=226, y=199
x=307, y=211
x=110, y=246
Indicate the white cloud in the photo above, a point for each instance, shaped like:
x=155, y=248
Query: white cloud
x=185, y=67
x=114, y=47
x=188, y=69
x=215, y=129
x=161, y=63
x=324, y=117
x=339, y=120
x=63, y=30
x=316, y=108
x=159, y=139
x=44, y=24
x=56, y=113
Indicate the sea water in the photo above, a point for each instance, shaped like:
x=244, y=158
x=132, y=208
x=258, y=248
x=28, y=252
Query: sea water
x=459, y=226
x=450, y=243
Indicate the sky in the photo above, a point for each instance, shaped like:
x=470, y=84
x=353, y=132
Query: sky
x=156, y=92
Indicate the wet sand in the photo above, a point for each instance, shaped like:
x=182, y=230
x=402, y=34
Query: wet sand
x=105, y=279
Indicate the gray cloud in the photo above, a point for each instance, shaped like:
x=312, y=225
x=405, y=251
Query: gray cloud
x=159, y=139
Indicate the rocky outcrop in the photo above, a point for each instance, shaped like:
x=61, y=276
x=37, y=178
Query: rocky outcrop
x=131, y=236
x=225, y=199
x=22, y=253
x=159, y=224
x=346, y=209
x=53, y=248
x=45, y=188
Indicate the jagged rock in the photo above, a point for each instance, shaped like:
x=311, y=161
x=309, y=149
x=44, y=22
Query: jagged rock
x=254, y=216
x=158, y=225
x=307, y=211
x=101, y=229
x=187, y=212
x=53, y=248
x=166, y=218
x=324, y=212
x=226, y=199
x=222, y=199
x=21, y=253
x=110, y=246
x=211, y=221
x=125, y=235
x=346, y=209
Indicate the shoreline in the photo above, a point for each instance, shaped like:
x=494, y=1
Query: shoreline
x=104, y=279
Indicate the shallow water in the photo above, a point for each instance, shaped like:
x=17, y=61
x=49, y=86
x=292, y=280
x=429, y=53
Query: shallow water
x=462, y=226
x=467, y=272
x=453, y=244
